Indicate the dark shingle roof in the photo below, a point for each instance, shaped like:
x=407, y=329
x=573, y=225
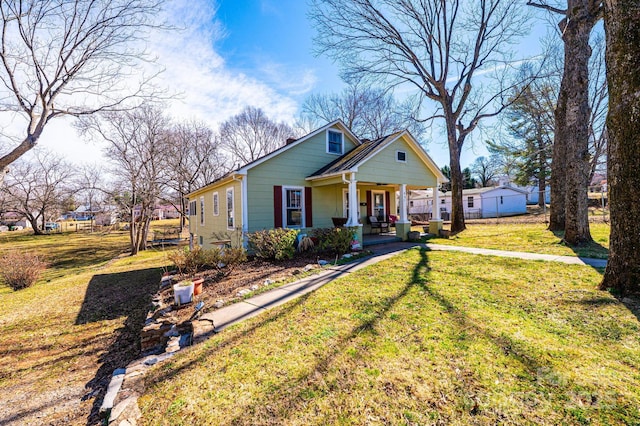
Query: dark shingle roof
x=352, y=158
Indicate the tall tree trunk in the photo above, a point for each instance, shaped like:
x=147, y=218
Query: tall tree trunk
x=457, y=210
x=570, y=167
x=558, y=161
x=33, y=220
x=133, y=231
x=576, y=125
x=622, y=27
x=542, y=173
x=183, y=209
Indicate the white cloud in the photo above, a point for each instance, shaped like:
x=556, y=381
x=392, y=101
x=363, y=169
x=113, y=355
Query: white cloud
x=208, y=89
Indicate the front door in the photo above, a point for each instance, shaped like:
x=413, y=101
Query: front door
x=379, y=209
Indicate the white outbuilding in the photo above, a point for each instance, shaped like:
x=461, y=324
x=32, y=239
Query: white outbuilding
x=478, y=203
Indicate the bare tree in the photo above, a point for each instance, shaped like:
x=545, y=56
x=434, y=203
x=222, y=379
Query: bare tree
x=251, y=134
x=91, y=188
x=570, y=165
x=193, y=159
x=35, y=188
x=486, y=169
x=69, y=58
x=136, y=148
x=369, y=112
x=598, y=106
x=622, y=28
x=436, y=47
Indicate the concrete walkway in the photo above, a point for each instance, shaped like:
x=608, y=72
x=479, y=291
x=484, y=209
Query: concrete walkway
x=253, y=306
x=571, y=260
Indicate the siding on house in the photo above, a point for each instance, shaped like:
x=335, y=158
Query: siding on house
x=215, y=227
x=290, y=168
x=384, y=163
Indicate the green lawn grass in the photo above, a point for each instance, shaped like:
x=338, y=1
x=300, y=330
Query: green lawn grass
x=529, y=237
x=422, y=338
x=63, y=337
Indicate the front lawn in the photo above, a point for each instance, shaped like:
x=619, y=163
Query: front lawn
x=422, y=338
x=529, y=237
x=62, y=338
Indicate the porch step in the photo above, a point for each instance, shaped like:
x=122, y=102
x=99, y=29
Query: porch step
x=372, y=240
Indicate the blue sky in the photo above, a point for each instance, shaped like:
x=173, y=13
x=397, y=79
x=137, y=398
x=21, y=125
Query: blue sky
x=234, y=53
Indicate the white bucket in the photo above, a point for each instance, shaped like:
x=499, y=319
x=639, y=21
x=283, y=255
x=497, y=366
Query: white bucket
x=183, y=293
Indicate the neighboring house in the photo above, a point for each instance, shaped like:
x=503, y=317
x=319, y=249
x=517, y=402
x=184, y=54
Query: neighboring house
x=477, y=203
x=420, y=201
x=12, y=219
x=166, y=211
x=160, y=212
x=533, y=194
x=310, y=182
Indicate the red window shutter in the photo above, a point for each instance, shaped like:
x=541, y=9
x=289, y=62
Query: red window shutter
x=387, y=201
x=369, y=202
x=308, y=208
x=277, y=206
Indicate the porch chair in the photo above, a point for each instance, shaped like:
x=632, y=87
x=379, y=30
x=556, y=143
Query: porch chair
x=376, y=224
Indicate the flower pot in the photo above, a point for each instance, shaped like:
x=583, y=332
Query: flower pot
x=183, y=292
x=197, y=286
x=414, y=236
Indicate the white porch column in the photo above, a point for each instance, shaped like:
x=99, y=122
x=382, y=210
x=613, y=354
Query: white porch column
x=435, y=209
x=403, y=203
x=354, y=205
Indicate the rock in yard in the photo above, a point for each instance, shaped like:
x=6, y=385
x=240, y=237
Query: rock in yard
x=268, y=282
x=243, y=292
x=322, y=262
x=219, y=304
x=254, y=287
x=309, y=267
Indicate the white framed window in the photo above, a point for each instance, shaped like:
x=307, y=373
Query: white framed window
x=230, y=217
x=293, y=207
x=401, y=156
x=201, y=210
x=335, y=142
x=216, y=204
x=469, y=202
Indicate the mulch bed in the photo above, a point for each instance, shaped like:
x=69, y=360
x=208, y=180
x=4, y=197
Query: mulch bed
x=251, y=273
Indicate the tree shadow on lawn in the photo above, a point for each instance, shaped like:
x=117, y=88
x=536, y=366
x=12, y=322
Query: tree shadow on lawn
x=289, y=393
x=592, y=249
x=109, y=297
x=286, y=392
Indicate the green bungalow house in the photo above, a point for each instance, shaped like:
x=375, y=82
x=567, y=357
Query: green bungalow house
x=313, y=182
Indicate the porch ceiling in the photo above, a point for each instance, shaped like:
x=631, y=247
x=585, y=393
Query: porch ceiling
x=337, y=180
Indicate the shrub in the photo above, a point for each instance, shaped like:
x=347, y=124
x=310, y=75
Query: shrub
x=306, y=244
x=335, y=240
x=275, y=244
x=231, y=257
x=20, y=270
x=199, y=259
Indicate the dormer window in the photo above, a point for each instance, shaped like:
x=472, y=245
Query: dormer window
x=335, y=142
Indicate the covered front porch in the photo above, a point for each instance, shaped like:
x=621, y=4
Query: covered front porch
x=367, y=188
x=381, y=208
